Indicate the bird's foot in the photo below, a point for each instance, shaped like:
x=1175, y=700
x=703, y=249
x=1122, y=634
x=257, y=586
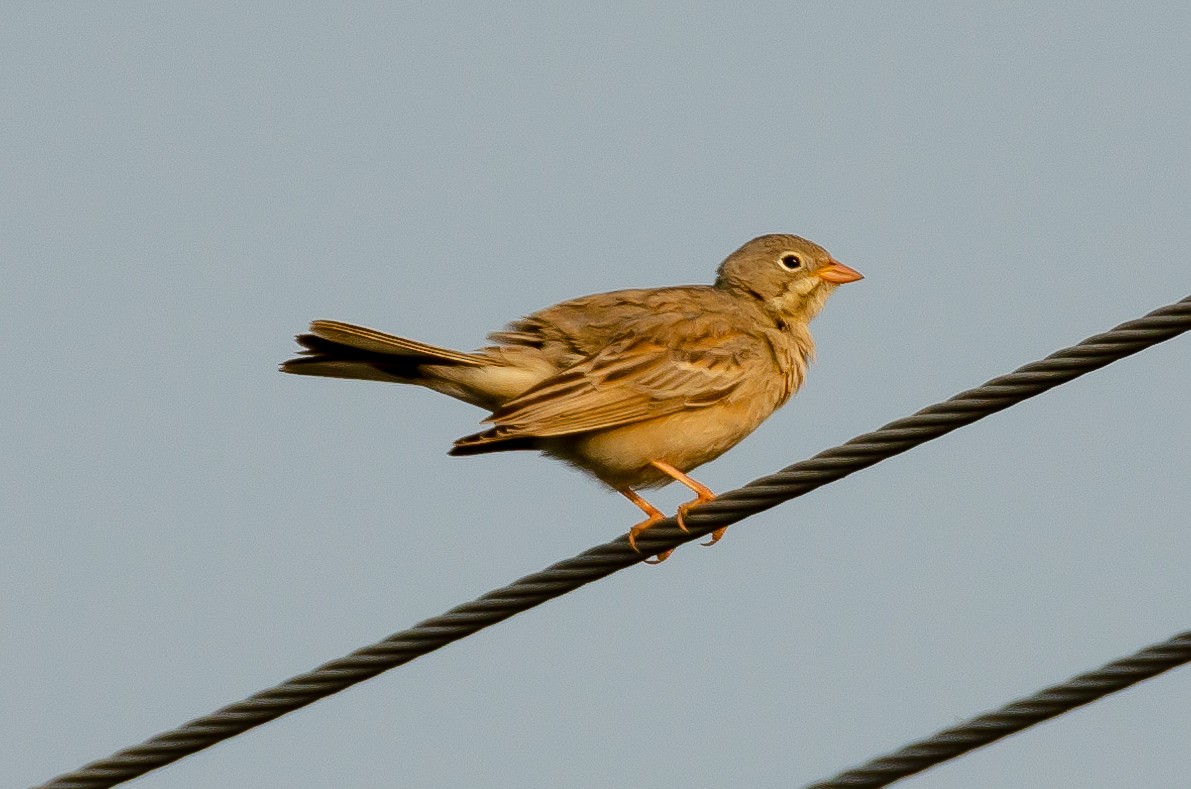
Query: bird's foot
x=701, y=491
x=683, y=509
x=642, y=526
x=661, y=557
x=716, y=536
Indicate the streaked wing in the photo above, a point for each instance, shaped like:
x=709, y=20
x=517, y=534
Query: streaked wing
x=629, y=381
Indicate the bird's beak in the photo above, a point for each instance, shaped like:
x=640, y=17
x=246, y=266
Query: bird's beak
x=837, y=273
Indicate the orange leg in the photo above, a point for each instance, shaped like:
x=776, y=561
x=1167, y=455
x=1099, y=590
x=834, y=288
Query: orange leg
x=654, y=514
x=702, y=494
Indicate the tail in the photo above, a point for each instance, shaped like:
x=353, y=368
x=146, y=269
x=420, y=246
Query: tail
x=342, y=350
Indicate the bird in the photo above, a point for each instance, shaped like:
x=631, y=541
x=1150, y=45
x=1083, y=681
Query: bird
x=635, y=387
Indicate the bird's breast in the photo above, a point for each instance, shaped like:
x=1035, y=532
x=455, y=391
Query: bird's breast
x=621, y=456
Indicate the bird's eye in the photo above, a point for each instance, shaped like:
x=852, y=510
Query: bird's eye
x=790, y=262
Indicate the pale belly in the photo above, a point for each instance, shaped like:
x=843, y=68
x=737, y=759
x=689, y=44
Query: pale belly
x=621, y=456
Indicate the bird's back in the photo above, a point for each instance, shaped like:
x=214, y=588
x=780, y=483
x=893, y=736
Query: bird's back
x=576, y=329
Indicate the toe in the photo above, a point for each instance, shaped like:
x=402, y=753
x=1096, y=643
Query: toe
x=640, y=527
x=661, y=557
x=716, y=536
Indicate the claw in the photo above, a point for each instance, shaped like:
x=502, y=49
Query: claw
x=683, y=509
x=642, y=526
x=654, y=514
x=702, y=494
x=716, y=536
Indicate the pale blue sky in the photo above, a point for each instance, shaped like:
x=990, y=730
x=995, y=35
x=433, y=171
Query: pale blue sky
x=185, y=186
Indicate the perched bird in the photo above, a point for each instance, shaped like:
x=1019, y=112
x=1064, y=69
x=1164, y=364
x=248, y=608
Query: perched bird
x=636, y=387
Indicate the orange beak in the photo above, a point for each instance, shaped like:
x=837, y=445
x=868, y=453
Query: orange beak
x=837, y=273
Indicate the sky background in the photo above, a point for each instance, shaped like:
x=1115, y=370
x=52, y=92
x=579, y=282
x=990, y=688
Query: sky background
x=186, y=186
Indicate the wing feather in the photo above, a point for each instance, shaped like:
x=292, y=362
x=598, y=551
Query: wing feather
x=628, y=381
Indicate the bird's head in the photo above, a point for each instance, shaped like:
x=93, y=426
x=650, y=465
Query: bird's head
x=791, y=276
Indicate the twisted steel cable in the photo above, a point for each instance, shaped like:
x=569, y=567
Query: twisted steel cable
x=1015, y=716
x=603, y=560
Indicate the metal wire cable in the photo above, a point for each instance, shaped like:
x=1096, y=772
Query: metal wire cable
x=1015, y=716
x=603, y=560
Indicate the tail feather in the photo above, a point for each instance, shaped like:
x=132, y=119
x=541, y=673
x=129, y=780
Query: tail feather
x=361, y=338
x=342, y=350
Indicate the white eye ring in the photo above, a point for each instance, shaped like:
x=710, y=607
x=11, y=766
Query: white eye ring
x=789, y=261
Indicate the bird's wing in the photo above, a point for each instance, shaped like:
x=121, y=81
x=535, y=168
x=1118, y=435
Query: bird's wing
x=629, y=381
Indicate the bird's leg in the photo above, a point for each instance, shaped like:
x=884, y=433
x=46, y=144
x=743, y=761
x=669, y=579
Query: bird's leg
x=702, y=494
x=654, y=514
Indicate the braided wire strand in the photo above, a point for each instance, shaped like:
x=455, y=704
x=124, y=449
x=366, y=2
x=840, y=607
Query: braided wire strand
x=1015, y=716
x=603, y=560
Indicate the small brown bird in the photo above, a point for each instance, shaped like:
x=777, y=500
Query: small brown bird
x=636, y=387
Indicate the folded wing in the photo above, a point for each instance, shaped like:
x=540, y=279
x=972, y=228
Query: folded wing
x=629, y=381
